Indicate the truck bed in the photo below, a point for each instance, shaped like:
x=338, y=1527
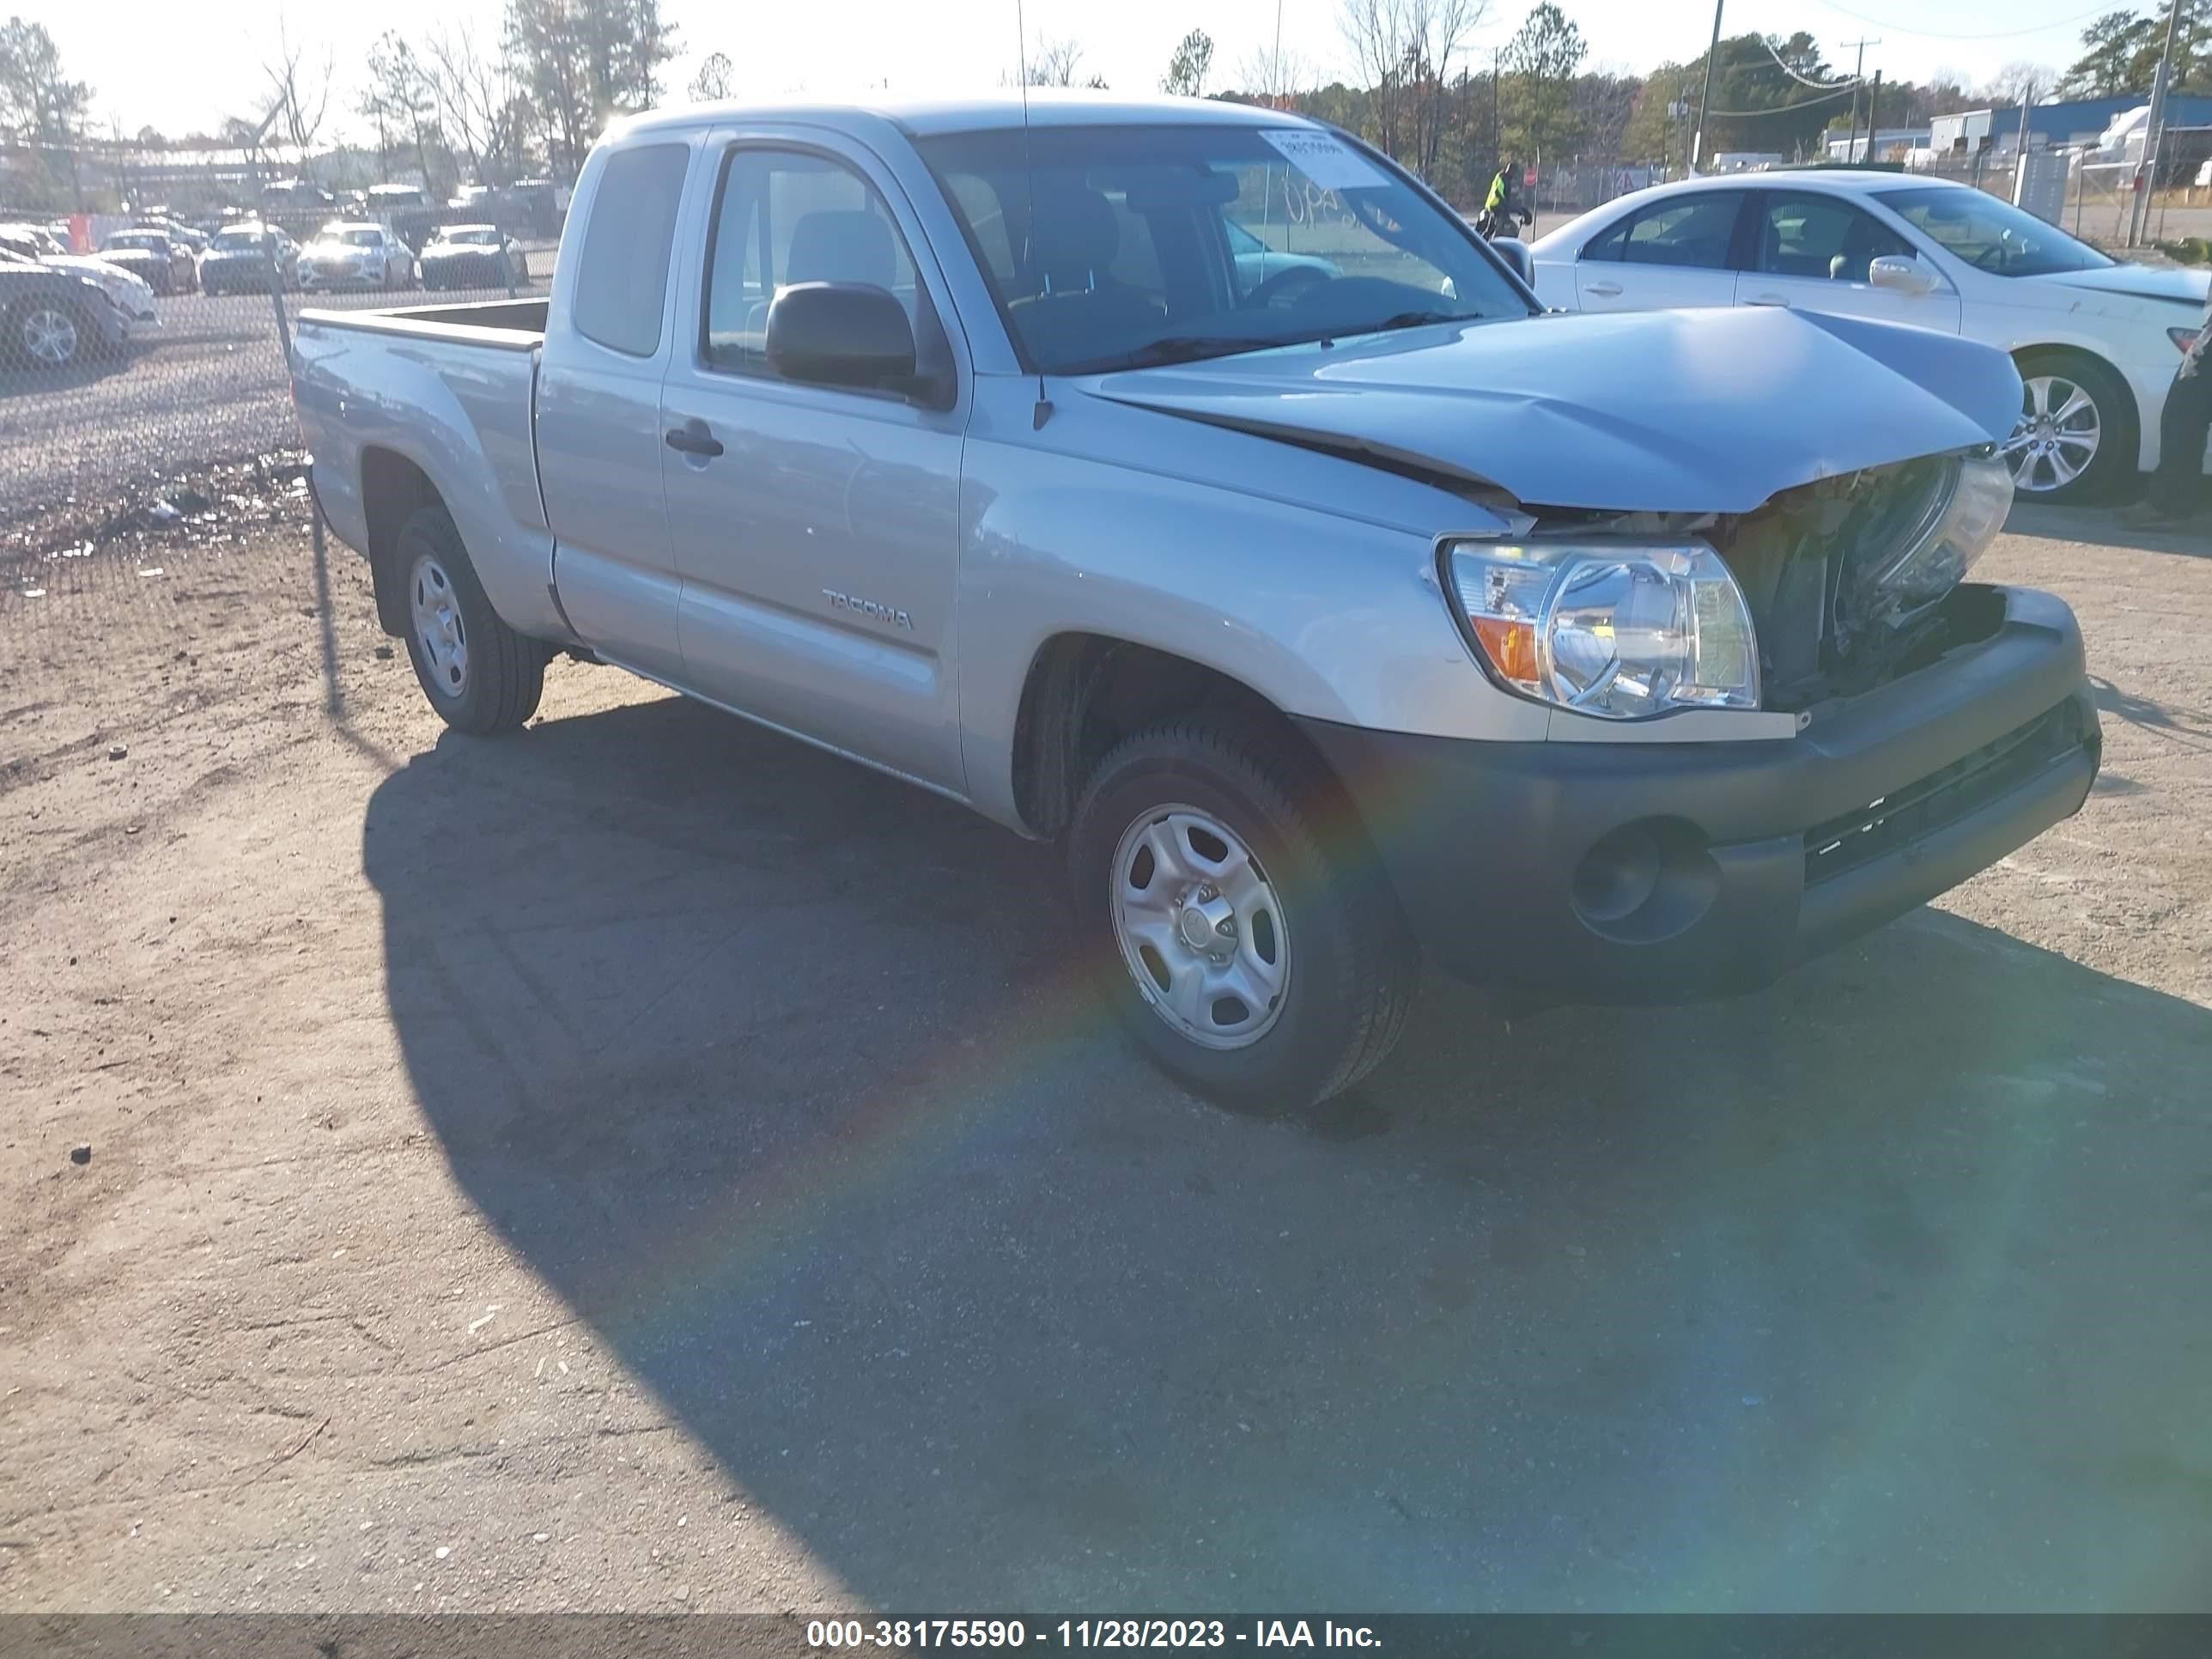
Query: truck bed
x=446, y=391
x=512, y=325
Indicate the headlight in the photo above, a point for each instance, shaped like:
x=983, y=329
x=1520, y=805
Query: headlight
x=1931, y=564
x=1618, y=631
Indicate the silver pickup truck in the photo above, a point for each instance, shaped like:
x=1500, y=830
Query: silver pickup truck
x=1185, y=482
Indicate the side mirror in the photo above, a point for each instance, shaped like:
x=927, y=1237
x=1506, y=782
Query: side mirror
x=1901, y=274
x=1515, y=252
x=852, y=334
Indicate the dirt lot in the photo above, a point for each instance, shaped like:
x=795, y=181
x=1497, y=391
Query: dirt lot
x=647, y=1164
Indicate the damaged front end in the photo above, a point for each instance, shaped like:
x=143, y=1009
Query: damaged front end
x=1850, y=581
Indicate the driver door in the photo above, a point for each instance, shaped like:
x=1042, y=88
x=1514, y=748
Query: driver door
x=1812, y=250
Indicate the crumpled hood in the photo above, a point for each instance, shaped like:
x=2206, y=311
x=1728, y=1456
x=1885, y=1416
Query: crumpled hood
x=1669, y=411
x=2134, y=282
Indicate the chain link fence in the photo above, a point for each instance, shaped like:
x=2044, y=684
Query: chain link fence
x=165, y=399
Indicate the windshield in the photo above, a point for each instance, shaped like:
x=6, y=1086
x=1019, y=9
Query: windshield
x=1991, y=234
x=1166, y=244
x=133, y=238
x=356, y=238
x=478, y=238
x=234, y=241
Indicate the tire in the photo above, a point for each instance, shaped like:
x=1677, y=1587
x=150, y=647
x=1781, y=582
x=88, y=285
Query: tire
x=1344, y=959
x=33, y=340
x=494, y=683
x=2048, y=465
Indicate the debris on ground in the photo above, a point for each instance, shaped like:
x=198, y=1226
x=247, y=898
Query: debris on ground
x=80, y=1154
x=117, y=751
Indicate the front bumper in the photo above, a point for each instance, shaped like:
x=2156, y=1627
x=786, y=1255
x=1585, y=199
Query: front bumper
x=1653, y=872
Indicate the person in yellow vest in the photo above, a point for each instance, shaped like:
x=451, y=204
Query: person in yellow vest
x=1500, y=209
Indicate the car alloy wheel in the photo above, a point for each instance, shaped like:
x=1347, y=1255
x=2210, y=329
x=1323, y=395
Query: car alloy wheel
x=48, y=336
x=1201, y=926
x=2056, y=437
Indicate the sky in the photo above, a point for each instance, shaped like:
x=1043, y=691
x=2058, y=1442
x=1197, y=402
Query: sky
x=183, y=66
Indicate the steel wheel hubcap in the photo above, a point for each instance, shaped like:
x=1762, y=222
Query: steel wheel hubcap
x=1201, y=926
x=438, y=626
x=50, y=337
x=2057, y=436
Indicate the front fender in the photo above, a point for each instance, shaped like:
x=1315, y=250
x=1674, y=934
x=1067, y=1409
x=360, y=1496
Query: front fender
x=1326, y=616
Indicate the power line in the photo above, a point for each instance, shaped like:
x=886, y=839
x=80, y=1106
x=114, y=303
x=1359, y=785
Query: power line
x=1818, y=86
x=1943, y=35
x=1802, y=103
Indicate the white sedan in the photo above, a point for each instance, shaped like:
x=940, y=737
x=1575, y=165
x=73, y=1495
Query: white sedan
x=2097, y=341
x=349, y=255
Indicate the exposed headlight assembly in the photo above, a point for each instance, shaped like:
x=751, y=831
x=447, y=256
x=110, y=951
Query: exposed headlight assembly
x=1892, y=590
x=1618, y=630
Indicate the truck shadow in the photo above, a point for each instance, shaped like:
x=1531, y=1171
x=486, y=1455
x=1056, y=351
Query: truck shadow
x=1864, y=1291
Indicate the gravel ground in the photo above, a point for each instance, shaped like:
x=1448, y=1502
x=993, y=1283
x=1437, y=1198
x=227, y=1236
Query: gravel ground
x=647, y=1165
x=208, y=386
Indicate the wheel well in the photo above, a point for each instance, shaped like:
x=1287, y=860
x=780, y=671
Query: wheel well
x=392, y=487
x=1085, y=692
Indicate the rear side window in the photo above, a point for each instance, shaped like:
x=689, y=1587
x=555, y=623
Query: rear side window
x=622, y=276
x=1685, y=230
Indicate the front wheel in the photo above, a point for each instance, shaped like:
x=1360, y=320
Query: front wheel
x=479, y=674
x=2075, y=436
x=1244, y=938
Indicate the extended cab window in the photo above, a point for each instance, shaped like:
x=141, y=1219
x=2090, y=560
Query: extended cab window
x=784, y=216
x=622, y=277
x=1821, y=237
x=1683, y=230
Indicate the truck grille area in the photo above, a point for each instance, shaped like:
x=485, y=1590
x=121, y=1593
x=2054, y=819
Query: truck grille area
x=1945, y=795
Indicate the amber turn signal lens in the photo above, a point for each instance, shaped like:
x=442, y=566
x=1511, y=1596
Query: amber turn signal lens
x=1510, y=646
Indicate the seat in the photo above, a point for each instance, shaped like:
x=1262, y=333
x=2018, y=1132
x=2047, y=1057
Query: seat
x=1081, y=308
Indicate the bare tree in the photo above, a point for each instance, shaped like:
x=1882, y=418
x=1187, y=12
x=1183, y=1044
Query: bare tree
x=1274, y=76
x=300, y=87
x=1054, y=63
x=1189, y=67
x=713, y=81
x=2019, y=80
x=1403, y=51
x=474, y=93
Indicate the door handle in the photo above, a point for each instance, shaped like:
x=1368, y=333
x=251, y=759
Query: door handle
x=692, y=437
x=1603, y=290
x=1768, y=300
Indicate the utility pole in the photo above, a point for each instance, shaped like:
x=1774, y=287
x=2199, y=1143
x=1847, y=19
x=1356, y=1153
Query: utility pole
x=2139, y=213
x=1873, y=101
x=1705, y=97
x=1858, y=80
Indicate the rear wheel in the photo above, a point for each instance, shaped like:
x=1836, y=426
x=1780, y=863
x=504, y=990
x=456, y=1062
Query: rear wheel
x=479, y=674
x=2075, y=437
x=1247, y=945
x=47, y=334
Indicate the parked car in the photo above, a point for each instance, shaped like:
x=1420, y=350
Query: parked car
x=55, y=319
x=474, y=255
x=356, y=255
x=1602, y=658
x=1257, y=262
x=236, y=262
x=2096, y=341
x=165, y=263
x=126, y=291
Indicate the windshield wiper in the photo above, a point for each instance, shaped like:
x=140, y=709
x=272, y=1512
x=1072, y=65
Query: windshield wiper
x=1415, y=320
x=1172, y=349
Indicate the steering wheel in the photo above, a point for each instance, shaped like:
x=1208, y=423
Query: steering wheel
x=1286, y=287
